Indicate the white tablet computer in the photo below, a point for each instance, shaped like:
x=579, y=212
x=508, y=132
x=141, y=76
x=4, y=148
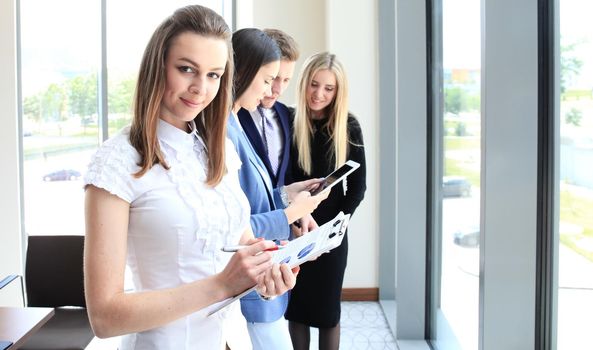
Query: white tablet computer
x=337, y=176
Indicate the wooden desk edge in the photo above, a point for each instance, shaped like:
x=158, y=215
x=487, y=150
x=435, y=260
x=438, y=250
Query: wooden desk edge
x=50, y=313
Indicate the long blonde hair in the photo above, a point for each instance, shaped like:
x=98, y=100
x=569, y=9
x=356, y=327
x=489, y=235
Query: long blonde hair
x=150, y=88
x=337, y=112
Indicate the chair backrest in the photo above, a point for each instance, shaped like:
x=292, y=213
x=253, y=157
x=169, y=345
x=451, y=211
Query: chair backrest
x=53, y=271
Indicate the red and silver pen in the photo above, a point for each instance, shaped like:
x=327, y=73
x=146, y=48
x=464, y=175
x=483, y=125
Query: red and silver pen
x=234, y=248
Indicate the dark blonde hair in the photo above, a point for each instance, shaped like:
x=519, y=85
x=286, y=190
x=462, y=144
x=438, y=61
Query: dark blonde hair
x=288, y=46
x=150, y=88
x=336, y=111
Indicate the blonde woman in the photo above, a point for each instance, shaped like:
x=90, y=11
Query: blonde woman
x=325, y=136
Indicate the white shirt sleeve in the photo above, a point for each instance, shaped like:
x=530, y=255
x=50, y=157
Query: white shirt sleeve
x=112, y=168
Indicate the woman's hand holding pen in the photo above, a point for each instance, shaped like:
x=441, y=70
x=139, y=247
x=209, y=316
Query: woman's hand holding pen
x=247, y=266
x=251, y=264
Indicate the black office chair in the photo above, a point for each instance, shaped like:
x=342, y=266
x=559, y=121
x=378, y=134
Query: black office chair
x=54, y=278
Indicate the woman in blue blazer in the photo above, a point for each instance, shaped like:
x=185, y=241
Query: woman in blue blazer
x=257, y=60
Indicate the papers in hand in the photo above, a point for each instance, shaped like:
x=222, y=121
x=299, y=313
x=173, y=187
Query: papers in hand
x=307, y=247
x=310, y=245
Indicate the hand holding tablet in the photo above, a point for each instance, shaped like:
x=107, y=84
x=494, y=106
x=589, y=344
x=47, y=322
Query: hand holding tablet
x=336, y=176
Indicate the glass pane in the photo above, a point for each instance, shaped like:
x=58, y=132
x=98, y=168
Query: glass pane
x=456, y=278
x=575, y=265
x=60, y=63
x=59, y=82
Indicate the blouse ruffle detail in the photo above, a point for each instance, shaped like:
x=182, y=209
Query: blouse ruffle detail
x=190, y=180
x=112, y=166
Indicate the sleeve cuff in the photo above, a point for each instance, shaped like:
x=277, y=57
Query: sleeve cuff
x=284, y=196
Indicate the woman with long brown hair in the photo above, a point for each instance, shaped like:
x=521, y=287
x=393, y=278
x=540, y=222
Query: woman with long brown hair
x=164, y=196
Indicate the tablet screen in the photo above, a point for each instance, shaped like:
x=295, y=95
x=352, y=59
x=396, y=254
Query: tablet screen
x=336, y=176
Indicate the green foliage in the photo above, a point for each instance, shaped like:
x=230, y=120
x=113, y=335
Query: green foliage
x=120, y=96
x=60, y=148
x=472, y=102
x=116, y=124
x=572, y=242
x=77, y=97
x=577, y=94
x=460, y=129
x=82, y=92
x=456, y=128
x=576, y=208
x=573, y=116
x=459, y=100
x=462, y=143
x=570, y=64
x=32, y=108
x=53, y=103
x=458, y=168
x=453, y=100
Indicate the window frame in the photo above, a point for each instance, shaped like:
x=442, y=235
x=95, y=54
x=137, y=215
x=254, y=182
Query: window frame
x=509, y=204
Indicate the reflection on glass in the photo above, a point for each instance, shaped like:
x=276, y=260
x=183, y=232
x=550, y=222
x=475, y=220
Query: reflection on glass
x=575, y=265
x=457, y=289
x=59, y=84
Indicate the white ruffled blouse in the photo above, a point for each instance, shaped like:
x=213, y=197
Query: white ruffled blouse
x=176, y=229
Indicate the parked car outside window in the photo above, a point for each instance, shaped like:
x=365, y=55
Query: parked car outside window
x=468, y=237
x=62, y=175
x=456, y=186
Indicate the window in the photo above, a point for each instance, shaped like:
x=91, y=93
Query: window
x=60, y=61
x=456, y=163
x=575, y=195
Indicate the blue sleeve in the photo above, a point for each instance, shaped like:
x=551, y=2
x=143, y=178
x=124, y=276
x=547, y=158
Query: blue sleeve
x=277, y=199
x=271, y=225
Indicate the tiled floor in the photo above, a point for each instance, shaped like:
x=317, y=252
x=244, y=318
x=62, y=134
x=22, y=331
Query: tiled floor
x=363, y=326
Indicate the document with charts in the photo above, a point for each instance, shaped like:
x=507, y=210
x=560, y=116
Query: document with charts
x=307, y=247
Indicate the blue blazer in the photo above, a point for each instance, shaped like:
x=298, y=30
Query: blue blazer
x=258, y=144
x=267, y=218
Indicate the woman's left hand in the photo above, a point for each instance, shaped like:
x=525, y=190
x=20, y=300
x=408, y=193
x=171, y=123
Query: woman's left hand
x=277, y=280
x=305, y=224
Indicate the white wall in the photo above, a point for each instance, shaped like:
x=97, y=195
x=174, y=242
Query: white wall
x=348, y=29
x=10, y=220
x=304, y=20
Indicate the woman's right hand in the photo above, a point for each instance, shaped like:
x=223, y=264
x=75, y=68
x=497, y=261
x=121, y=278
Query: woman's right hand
x=304, y=203
x=295, y=188
x=246, y=266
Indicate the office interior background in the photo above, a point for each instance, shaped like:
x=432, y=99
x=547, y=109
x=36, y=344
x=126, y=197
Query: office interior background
x=476, y=230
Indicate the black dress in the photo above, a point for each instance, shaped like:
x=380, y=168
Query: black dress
x=315, y=299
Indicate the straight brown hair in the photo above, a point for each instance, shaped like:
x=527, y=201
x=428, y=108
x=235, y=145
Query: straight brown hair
x=150, y=88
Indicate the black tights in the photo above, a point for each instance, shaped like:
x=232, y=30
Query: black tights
x=300, y=335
